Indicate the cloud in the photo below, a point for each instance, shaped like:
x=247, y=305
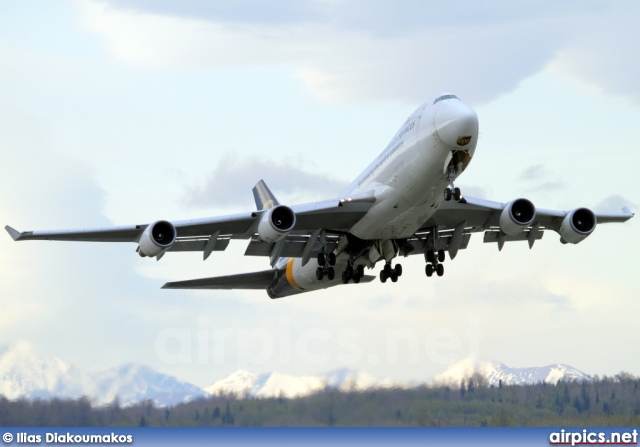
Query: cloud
x=515, y=292
x=606, y=52
x=535, y=172
x=355, y=51
x=614, y=204
x=537, y=178
x=77, y=291
x=230, y=183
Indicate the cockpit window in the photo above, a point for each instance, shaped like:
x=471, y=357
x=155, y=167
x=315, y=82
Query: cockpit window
x=442, y=98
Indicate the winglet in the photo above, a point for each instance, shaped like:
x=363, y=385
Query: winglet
x=264, y=197
x=15, y=234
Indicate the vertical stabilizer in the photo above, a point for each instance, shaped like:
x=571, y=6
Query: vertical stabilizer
x=264, y=197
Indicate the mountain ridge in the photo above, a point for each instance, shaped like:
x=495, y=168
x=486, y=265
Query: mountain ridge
x=25, y=373
x=497, y=373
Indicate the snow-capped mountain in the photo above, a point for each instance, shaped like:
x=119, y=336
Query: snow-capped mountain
x=495, y=372
x=277, y=384
x=134, y=383
x=24, y=372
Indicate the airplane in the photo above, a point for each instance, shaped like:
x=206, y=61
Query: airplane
x=404, y=203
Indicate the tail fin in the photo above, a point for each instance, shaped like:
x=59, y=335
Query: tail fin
x=264, y=197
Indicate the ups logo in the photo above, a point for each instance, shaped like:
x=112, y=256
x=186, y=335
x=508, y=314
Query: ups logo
x=463, y=141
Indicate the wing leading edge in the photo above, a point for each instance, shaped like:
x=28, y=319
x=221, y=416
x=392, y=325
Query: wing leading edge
x=337, y=215
x=472, y=215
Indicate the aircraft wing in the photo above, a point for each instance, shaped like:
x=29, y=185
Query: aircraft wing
x=457, y=220
x=484, y=214
x=193, y=235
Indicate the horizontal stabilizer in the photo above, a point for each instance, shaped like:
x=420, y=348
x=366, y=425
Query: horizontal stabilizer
x=254, y=280
x=368, y=278
x=15, y=234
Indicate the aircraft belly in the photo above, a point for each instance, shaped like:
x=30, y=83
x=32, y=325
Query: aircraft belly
x=403, y=210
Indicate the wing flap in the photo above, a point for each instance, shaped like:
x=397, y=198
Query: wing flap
x=293, y=247
x=495, y=235
x=251, y=281
x=198, y=245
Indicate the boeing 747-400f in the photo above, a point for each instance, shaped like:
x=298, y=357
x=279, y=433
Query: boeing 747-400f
x=404, y=203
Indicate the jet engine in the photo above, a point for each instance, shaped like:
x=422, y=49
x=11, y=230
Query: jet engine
x=517, y=216
x=157, y=238
x=276, y=223
x=577, y=225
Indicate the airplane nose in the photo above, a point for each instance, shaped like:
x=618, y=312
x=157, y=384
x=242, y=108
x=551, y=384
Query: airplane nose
x=456, y=124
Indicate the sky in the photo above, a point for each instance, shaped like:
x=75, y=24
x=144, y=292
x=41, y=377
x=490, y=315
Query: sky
x=115, y=113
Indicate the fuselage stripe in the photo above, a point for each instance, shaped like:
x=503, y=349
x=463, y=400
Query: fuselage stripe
x=289, y=272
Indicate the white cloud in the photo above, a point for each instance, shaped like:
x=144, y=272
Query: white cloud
x=605, y=52
x=351, y=51
x=230, y=183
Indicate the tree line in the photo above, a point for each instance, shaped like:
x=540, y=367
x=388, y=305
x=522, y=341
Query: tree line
x=606, y=401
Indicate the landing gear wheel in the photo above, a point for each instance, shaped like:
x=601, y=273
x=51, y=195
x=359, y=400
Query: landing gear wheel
x=332, y=259
x=319, y=273
x=387, y=270
x=441, y=256
x=383, y=277
x=394, y=277
x=356, y=279
x=457, y=195
x=345, y=280
x=447, y=194
x=331, y=273
x=322, y=259
x=431, y=256
x=440, y=269
x=360, y=270
x=398, y=270
x=429, y=270
x=349, y=271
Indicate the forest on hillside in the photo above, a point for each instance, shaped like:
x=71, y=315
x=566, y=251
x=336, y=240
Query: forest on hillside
x=606, y=401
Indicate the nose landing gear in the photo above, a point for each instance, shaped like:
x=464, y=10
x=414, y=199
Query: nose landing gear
x=452, y=190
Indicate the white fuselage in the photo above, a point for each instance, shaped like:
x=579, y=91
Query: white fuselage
x=408, y=179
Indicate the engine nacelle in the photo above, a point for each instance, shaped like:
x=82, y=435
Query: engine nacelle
x=517, y=216
x=276, y=223
x=157, y=238
x=577, y=225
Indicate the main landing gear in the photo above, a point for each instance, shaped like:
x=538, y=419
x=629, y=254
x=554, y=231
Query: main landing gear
x=388, y=272
x=452, y=191
x=356, y=273
x=326, y=263
x=434, y=260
